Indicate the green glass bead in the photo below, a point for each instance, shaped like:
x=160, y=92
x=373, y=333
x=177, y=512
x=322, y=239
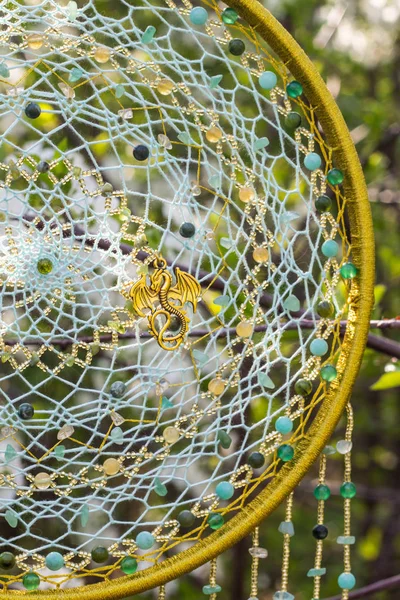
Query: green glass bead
x=31, y=581
x=215, y=521
x=285, y=452
x=346, y=581
x=145, y=540
x=325, y=309
x=256, y=460
x=319, y=347
x=293, y=120
x=323, y=203
x=229, y=16
x=54, y=561
x=294, y=89
x=236, y=47
x=99, y=554
x=187, y=230
x=225, y=490
x=208, y=590
x=284, y=425
x=186, y=518
x=7, y=560
x=322, y=492
x=303, y=387
x=129, y=565
x=348, y=271
x=44, y=266
x=224, y=439
x=328, y=373
x=335, y=177
x=348, y=490
x=148, y=35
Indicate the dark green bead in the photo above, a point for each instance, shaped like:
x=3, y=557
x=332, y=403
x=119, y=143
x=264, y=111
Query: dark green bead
x=230, y=16
x=187, y=230
x=44, y=266
x=256, y=460
x=99, y=554
x=294, y=89
x=224, y=439
x=285, y=452
x=323, y=203
x=33, y=110
x=322, y=492
x=348, y=490
x=293, y=120
x=31, y=581
x=186, y=518
x=335, y=177
x=7, y=560
x=129, y=565
x=328, y=373
x=325, y=309
x=26, y=411
x=303, y=387
x=215, y=521
x=236, y=47
x=348, y=271
x=320, y=532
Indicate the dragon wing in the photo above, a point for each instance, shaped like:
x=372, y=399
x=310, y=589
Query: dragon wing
x=141, y=296
x=187, y=289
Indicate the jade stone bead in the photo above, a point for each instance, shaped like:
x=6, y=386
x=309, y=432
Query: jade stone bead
x=215, y=521
x=229, y=16
x=303, y=387
x=26, y=411
x=224, y=439
x=145, y=540
x=323, y=203
x=348, y=490
x=33, y=110
x=293, y=120
x=225, y=490
x=236, y=47
x=256, y=460
x=31, y=581
x=330, y=248
x=320, y=532
x=346, y=581
x=44, y=266
x=319, y=347
x=187, y=230
x=284, y=425
x=117, y=389
x=129, y=565
x=268, y=80
x=208, y=590
x=312, y=161
x=55, y=561
x=294, y=89
x=186, y=518
x=325, y=309
x=99, y=554
x=328, y=373
x=285, y=452
x=335, y=177
x=322, y=492
x=348, y=271
x=141, y=153
x=7, y=560
x=198, y=16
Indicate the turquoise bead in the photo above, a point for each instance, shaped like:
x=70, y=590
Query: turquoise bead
x=145, y=540
x=283, y=596
x=148, y=35
x=286, y=528
x=229, y=16
x=316, y=572
x=328, y=373
x=347, y=540
x=215, y=521
x=31, y=581
x=335, y=177
x=285, y=452
x=225, y=490
x=346, y=581
x=284, y=425
x=348, y=271
x=312, y=161
x=54, y=561
x=129, y=565
x=330, y=248
x=198, y=16
x=294, y=89
x=211, y=589
x=268, y=80
x=319, y=347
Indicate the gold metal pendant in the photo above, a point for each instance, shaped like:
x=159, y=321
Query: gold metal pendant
x=161, y=291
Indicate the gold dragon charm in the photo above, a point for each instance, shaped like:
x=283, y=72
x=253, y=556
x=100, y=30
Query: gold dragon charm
x=160, y=291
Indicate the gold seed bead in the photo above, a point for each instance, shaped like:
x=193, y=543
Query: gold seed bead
x=42, y=481
x=260, y=255
x=216, y=386
x=171, y=435
x=35, y=41
x=111, y=466
x=246, y=194
x=165, y=87
x=244, y=329
x=214, y=134
x=102, y=55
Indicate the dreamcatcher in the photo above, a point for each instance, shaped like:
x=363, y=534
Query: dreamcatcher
x=184, y=229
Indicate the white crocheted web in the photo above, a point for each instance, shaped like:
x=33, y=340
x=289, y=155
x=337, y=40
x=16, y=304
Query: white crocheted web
x=94, y=218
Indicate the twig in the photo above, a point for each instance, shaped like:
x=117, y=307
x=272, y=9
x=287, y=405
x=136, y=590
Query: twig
x=368, y=590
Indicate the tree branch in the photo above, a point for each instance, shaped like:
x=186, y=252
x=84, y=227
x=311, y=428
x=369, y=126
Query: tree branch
x=368, y=590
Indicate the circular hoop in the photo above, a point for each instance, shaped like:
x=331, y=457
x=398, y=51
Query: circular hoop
x=270, y=498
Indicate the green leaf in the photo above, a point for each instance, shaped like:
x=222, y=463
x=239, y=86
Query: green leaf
x=379, y=292
x=387, y=381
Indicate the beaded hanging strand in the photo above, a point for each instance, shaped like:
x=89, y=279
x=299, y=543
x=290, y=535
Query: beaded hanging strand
x=287, y=529
x=212, y=588
x=317, y=572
